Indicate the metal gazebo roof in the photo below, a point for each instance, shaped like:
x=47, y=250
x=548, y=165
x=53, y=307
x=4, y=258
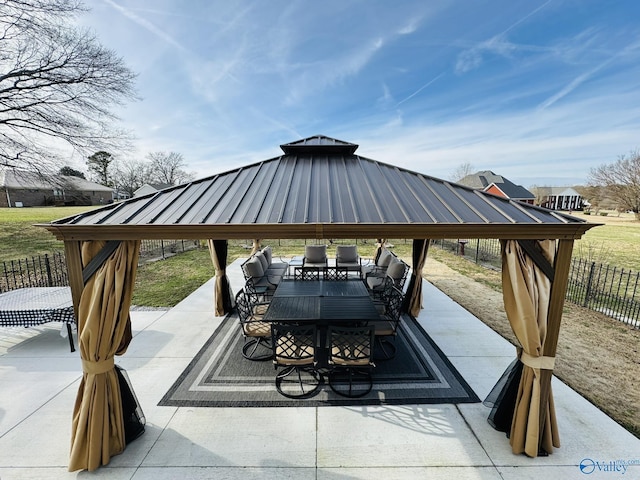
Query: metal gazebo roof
x=319, y=188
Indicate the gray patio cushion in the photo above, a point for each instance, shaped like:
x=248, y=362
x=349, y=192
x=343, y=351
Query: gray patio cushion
x=266, y=251
x=253, y=268
x=347, y=253
x=396, y=269
x=315, y=253
x=385, y=258
x=263, y=260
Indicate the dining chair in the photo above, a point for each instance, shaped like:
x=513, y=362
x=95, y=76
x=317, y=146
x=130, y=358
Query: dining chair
x=351, y=360
x=386, y=329
x=315, y=261
x=256, y=332
x=348, y=260
x=294, y=349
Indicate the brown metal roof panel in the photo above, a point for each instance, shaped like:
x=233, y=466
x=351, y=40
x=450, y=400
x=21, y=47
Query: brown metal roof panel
x=487, y=209
x=278, y=182
x=433, y=204
x=184, y=206
x=256, y=197
x=295, y=207
x=221, y=203
x=170, y=209
x=388, y=206
x=455, y=203
x=365, y=195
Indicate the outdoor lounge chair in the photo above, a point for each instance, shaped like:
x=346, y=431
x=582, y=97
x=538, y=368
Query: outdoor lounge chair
x=396, y=271
x=315, y=261
x=347, y=258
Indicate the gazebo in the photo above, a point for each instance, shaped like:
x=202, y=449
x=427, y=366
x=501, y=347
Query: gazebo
x=319, y=188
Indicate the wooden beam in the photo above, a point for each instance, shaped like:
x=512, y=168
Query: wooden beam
x=318, y=231
x=562, y=266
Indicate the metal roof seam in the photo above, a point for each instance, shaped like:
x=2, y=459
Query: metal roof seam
x=374, y=198
x=264, y=198
x=417, y=197
x=306, y=209
x=485, y=197
x=138, y=211
x=246, y=190
x=444, y=204
x=183, y=192
x=354, y=206
x=464, y=200
x=288, y=190
x=393, y=194
x=520, y=207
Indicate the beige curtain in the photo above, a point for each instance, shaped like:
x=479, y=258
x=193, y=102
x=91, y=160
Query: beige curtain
x=526, y=292
x=379, y=246
x=104, y=330
x=222, y=290
x=255, y=246
x=413, y=298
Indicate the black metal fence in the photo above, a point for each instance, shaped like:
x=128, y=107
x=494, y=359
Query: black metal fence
x=50, y=270
x=606, y=289
x=612, y=291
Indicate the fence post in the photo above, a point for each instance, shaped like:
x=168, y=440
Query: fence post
x=47, y=266
x=587, y=292
x=477, y=249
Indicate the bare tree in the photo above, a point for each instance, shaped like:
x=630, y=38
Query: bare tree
x=58, y=85
x=98, y=165
x=168, y=168
x=621, y=181
x=130, y=175
x=461, y=171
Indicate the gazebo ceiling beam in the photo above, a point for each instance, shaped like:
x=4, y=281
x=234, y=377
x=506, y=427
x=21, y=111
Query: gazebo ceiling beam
x=318, y=231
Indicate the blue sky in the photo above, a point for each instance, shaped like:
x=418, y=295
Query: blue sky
x=537, y=91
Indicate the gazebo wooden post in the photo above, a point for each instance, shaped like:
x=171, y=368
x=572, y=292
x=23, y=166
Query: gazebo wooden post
x=74, y=271
x=562, y=267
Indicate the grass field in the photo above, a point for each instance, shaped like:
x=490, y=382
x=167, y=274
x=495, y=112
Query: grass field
x=20, y=239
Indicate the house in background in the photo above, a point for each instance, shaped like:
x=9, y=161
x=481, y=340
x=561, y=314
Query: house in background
x=21, y=188
x=559, y=198
x=150, y=188
x=488, y=181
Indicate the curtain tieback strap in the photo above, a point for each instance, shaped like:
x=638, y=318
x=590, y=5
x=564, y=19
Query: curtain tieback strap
x=543, y=363
x=96, y=368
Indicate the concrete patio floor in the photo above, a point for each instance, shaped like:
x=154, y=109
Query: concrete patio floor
x=40, y=377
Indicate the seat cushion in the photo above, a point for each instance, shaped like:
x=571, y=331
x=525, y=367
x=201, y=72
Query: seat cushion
x=257, y=329
x=266, y=251
x=252, y=268
x=396, y=269
x=263, y=260
x=384, y=258
x=315, y=253
x=347, y=254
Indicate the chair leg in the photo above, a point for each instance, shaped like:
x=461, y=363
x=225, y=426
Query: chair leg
x=250, y=348
x=343, y=380
x=384, y=349
x=312, y=380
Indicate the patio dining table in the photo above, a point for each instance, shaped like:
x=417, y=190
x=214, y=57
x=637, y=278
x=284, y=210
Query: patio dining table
x=322, y=302
x=28, y=307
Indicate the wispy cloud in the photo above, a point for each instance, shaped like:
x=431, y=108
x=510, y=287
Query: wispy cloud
x=146, y=24
x=473, y=57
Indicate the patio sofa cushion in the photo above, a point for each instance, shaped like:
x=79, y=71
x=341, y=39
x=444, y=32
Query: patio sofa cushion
x=263, y=260
x=275, y=268
x=252, y=268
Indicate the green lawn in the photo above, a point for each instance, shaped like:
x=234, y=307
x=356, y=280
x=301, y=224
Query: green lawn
x=20, y=239
x=616, y=242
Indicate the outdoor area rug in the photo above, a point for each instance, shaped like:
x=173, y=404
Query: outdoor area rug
x=219, y=376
